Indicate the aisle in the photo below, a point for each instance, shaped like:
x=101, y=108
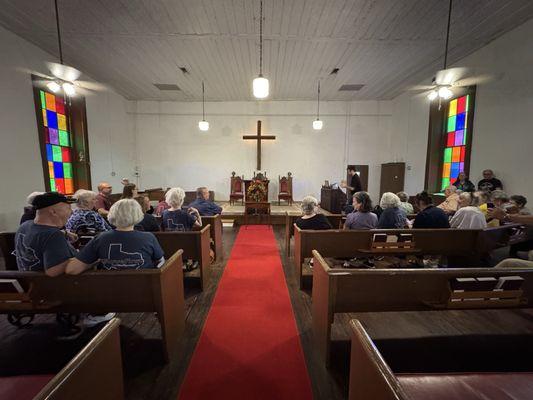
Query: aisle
x=249, y=348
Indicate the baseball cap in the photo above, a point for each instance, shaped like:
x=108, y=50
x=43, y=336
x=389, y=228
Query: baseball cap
x=49, y=199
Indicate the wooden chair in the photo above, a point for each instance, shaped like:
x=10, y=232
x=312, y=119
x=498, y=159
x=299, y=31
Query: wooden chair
x=157, y=290
x=236, y=189
x=285, y=189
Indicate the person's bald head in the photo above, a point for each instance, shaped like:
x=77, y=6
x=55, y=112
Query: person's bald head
x=105, y=188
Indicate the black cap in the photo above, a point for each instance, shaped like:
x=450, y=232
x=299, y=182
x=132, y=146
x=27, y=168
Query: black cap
x=49, y=199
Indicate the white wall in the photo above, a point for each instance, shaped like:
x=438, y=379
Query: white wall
x=503, y=119
x=172, y=151
x=20, y=160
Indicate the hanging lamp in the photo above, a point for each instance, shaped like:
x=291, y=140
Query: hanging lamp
x=260, y=84
x=317, y=123
x=203, y=125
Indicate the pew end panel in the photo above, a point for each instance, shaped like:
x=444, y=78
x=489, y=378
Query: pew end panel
x=7, y=245
x=370, y=376
x=195, y=246
x=215, y=223
x=94, y=373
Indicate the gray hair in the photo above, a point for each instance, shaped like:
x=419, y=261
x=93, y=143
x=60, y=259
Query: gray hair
x=451, y=188
x=389, y=200
x=175, y=197
x=499, y=195
x=125, y=213
x=403, y=196
x=470, y=200
x=32, y=196
x=309, y=203
x=83, y=197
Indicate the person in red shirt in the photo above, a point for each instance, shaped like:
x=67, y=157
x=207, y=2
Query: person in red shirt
x=103, y=202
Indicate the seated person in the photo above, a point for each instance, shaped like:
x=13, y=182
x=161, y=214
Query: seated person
x=451, y=204
x=29, y=211
x=162, y=205
x=392, y=217
x=517, y=205
x=148, y=223
x=176, y=219
x=129, y=191
x=103, y=201
x=122, y=248
x=463, y=183
x=468, y=216
x=498, y=198
x=482, y=199
x=84, y=218
x=40, y=245
x=203, y=204
x=527, y=219
x=405, y=205
x=489, y=182
x=429, y=215
x=361, y=217
x=311, y=219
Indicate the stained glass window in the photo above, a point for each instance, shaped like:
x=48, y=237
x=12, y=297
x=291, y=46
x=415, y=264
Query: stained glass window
x=454, y=151
x=58, y=142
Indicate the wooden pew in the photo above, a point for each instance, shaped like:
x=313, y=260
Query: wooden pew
x=7, y=245
x=485, y=367
x=336, y=220
x=97, y=292
x=215, y=224
x=341, y=290
x=457, y=244
x=195, y=246
x=94, y=373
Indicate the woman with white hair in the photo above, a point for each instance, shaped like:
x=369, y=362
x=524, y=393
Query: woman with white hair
x=122, y=248
x=451, y=203
x=468, y=216
x=311, y=219
x=392, y=217
x=84, y=217
x=29, y=210
x=176, y=219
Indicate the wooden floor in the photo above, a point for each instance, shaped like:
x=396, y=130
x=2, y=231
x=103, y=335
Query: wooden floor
x=147, y=377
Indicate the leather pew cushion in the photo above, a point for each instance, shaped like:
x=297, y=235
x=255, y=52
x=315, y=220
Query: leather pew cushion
x=471, y=386
x=23, y=387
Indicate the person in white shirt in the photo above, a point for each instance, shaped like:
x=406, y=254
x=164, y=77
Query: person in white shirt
x=468, y=216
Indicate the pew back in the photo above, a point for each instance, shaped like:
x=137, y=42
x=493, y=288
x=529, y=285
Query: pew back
x=195, y=246
x=97, y=292
x=455, y=243
x=336, y=221
x=215, y=231
x=94, y=373
x=339, y=290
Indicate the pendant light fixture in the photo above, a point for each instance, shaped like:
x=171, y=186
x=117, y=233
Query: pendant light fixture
x=203, y=125
x=317, y=123
x=443, y=92
x=64, y=74
x=260, y=84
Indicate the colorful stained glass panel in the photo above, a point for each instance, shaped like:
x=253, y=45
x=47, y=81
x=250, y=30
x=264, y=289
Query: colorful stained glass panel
x=63, y=138
x=460, y=121
x=447, y=155
x=45, y=121
x=60, y=106
x=43, y=99
x=453, y=108
x=54, y=136
x=65, y=154
x=61, y=122
x=458, y=138
x=50, y=102
x=53, y=185
x=451, y=124
x=67, y=170
x=447, y=170
x=56, y=153
x=60, y=185
x=461, y=105
x=69, y=186
x=451, y=139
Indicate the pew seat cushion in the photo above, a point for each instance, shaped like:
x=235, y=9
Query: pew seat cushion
x=468, y=386
x=22, y=387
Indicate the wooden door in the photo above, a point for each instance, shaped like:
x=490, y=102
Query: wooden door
x=392, y=177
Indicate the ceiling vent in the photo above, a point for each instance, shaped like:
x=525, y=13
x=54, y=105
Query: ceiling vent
x=351, y=88
x=167, y=86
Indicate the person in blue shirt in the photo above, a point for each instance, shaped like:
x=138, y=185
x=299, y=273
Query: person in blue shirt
x=392, y=217
x=122, y=248
x=41, y=245
x=85, y=218
x=429, y=215
x=203, y=204
x=176, y=219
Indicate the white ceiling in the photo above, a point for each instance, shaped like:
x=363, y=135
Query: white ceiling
x=386, y=45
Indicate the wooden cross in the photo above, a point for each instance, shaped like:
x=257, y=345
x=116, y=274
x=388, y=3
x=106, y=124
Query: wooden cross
x=258, y=137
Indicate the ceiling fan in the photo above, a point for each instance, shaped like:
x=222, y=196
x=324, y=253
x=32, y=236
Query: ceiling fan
x=64, y=76
x=448, y=78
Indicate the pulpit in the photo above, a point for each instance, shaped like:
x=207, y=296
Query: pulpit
x=258, y=195
x=332, y=200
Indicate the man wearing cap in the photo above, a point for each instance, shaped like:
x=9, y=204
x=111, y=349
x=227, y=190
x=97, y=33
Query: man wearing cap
x=103, y=202
x=40, y=245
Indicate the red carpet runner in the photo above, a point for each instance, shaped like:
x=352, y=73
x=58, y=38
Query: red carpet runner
x=249, y=348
